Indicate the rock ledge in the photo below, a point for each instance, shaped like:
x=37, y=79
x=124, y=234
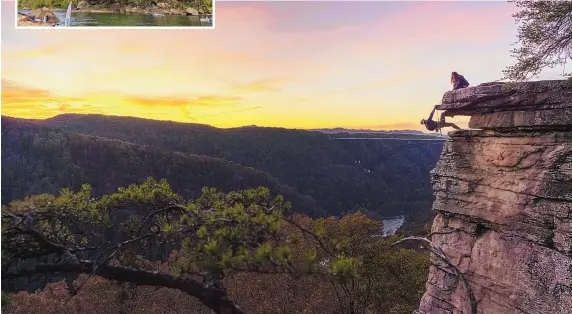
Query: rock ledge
x=504, y=202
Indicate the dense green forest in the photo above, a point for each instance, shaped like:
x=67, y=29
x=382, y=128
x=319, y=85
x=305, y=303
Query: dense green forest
x=317, y=175
x=38, y=159
x=384, y=177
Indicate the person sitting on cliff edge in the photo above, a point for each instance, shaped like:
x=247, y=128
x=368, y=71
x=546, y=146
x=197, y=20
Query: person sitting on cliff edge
x=437, y=125
x=458, y=81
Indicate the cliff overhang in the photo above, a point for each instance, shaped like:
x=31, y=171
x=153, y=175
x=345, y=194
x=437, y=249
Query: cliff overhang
x=503, y=196
x=538, y=104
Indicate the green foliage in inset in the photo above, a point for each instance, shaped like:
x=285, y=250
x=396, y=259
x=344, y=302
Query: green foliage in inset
x=52, y=4
x=205, y=5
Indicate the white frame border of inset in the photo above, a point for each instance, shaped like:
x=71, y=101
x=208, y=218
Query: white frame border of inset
x=118, y=27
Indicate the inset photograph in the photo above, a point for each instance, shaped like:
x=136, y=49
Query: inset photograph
x=113, y=13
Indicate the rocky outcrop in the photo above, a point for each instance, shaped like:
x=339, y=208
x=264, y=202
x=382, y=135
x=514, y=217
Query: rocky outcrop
x=28, y=20
x=504, y=202
x=49, y=15
x=82, y=5
x=162, y=5
x=192, y=11
x=495, y=105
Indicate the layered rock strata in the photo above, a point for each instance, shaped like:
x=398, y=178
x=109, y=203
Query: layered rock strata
x=504, y=203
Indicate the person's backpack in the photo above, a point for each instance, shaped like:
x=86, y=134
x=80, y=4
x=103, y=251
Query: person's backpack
x=464, y=81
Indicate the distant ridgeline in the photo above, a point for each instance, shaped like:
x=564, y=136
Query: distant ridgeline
x=319, y=175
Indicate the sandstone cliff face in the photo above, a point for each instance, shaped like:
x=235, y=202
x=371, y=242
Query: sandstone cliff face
x=504, y=202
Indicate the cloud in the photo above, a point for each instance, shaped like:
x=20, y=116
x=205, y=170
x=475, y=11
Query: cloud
x=213, y=100
x=32, y=102
x=17, y=93
x=262, y=85
x=230, y=111
x=19, y=100
x=202, y=101
x=157, y=101
x=294, y=64
x=64, y=108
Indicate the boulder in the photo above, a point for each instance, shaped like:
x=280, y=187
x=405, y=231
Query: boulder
x=26, y=20
x=82, y=5
x=191, y=11
x=162, y=5
x=40, y=13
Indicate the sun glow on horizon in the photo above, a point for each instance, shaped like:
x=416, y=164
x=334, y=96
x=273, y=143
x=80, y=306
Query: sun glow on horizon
x=292, y=66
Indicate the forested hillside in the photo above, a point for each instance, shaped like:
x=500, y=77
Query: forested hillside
x=37, y=159
x=319, y=175
x=386, y=177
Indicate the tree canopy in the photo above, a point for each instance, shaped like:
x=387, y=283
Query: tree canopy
x=386, y=177
x=38, y=160
x=121, y=236
x=544, y=38
x=216, y=233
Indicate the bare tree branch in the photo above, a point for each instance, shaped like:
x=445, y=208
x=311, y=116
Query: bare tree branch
x=310, y=233
x=439, y=253
x=208, y=295
x=544, y=35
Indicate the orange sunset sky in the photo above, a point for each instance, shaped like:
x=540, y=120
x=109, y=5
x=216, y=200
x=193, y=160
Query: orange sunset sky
x=377, y=65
